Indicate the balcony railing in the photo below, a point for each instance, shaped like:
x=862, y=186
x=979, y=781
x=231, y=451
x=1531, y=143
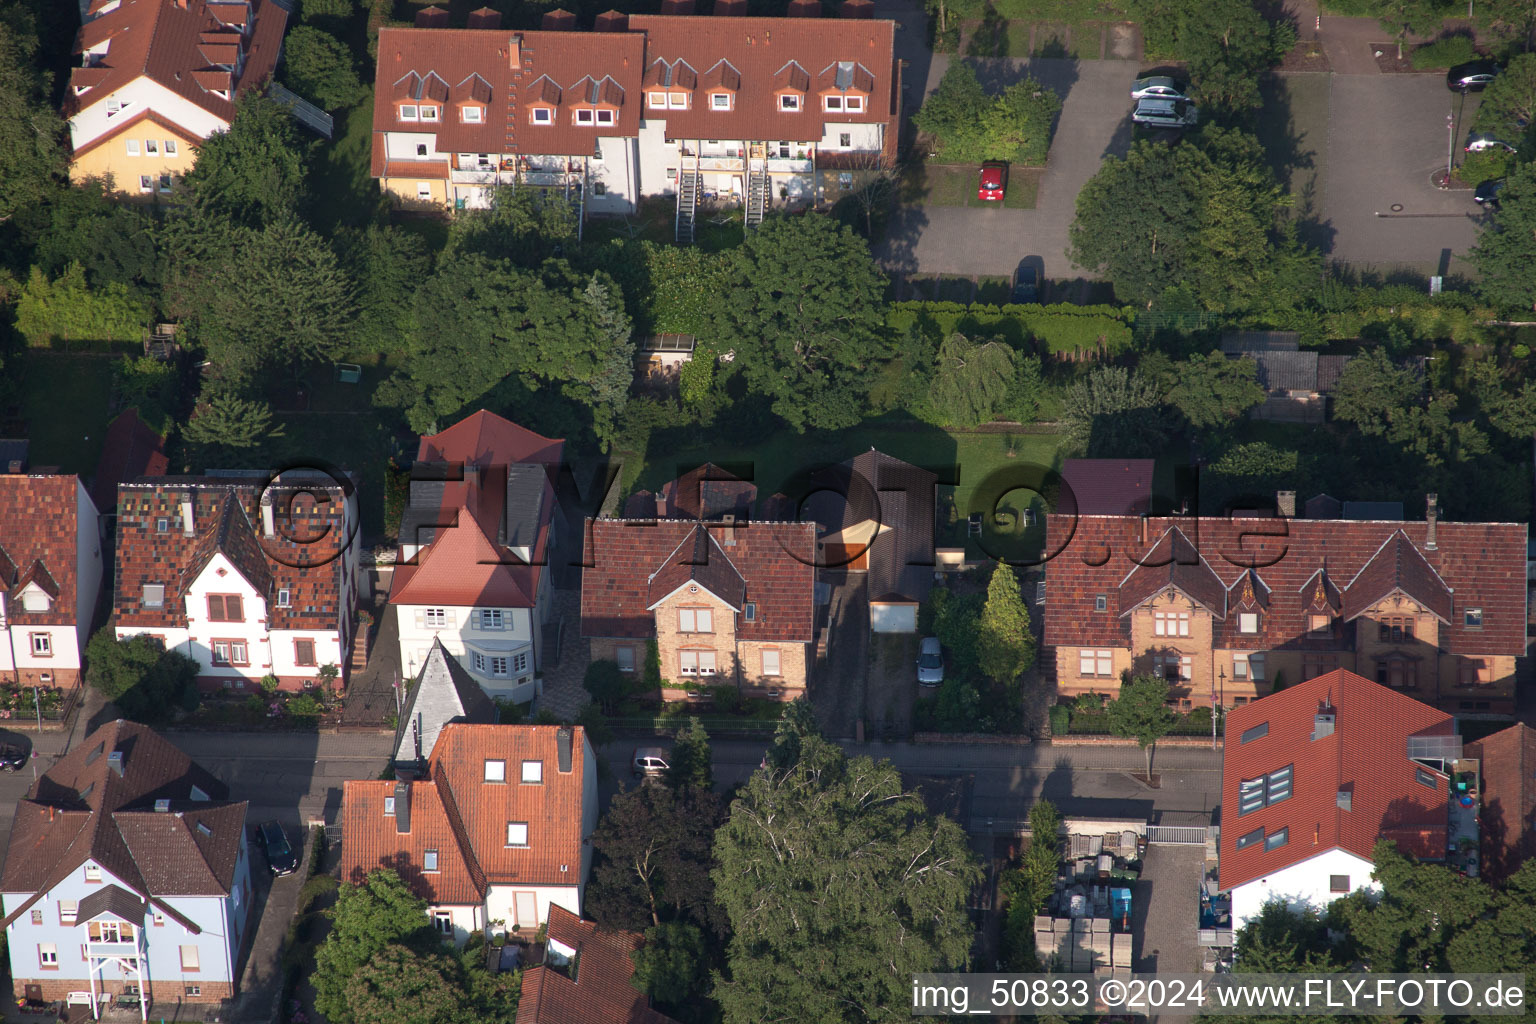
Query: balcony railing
x=783, y=165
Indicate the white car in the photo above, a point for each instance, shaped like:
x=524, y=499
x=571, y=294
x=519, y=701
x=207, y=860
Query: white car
x=1158, y=87
x=930, y=662
x=1165, y=113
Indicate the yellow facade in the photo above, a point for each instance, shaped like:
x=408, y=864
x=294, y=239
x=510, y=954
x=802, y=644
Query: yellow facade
x=114, y=159
x=409, y=191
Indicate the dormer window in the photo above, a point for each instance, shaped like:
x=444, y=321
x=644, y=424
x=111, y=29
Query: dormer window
x=472, y=114
x=789, y=102
x=605, y=117
x=583, y=116
x=408, y=112
x=1248, y=622
x=677, y=100
x=853, y=104
x=543, y=115
x=832, y=103
x=720, y=101
x=429, y=113
x=657, y=101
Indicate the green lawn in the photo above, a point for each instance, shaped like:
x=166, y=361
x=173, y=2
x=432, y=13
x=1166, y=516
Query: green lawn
x=656, y=221
x=1062, y=10
x=341, y=180
x=65, y=406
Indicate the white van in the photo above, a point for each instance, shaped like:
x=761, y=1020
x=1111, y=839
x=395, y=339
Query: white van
x=1165, y=113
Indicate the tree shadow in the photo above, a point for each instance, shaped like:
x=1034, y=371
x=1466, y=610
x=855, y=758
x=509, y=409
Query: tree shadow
x=1292, y=156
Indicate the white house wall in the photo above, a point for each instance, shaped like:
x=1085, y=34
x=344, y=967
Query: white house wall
x=657, y=156
x=501, y=902
x=1302, y=884
x=463, y=636
x=65, y=642
x=862, y=138
x=402, y=146
x=141, y=94
x=617, y=171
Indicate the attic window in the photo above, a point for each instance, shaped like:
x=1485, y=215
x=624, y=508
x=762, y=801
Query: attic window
x=1248, y=622
x=789, y=102
x=677, y=100
x=154, y=595
x=583, y=116
x=162, y=525
x=1424, y=778
x=1256, y=733
x=1346, y=800
x=517, y=833
x=429, y=113
x=605, y=117
x=429, y=861
x=389, y=807
x=542, y=115
x=472, y=114
x=749, y=612
x=720, y=101
x=284, y=597
x=1100, y=602
x=1473, y=618
x=408, y=112
x=495, y=771
x=832, y=103
x=657, y=101
x=204, y=829
x=1249, y=839
x=93, y=872
x=853, y=104
x=1275, y=840
x=533, y=772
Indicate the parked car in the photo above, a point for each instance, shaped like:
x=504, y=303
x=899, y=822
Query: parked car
x=1163, y=113
x=994, y=182
x=274, y=845
x=1157, y=87
x=1026, y=284
x=649, y=761
x=1487, y=193
x=13, y=758
x=1479, y=141
x=930, y=662
x=1472, y=76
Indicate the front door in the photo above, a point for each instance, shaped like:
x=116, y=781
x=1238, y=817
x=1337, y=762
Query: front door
x=527, y=909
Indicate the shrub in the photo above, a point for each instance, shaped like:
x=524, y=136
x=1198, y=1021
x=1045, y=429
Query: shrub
x=727, y=698
x=1484, y=164
x=1444, y=52
x=341, y=10
x=319, y=67
x=606, y=684
x=304, y=706
x=1061, y=719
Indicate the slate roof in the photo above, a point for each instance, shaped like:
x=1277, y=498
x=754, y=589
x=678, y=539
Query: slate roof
x=176, y=47
x=38, y=538
x=130, y=450
x=601, y=992
x=1096, y=487
x=707, y=492
x=85, y=808
x=897, y=495
x=1507, y=817
x=1480, y=565
x=304, y=556
x=443, y=692
x=464, y=818
x=1366, y=755
x=775, y=563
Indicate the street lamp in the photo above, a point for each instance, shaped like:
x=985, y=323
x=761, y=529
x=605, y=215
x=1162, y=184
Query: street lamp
x=1450, y=147
x=1217, y=703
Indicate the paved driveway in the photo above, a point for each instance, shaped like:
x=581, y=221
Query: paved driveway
x=1094, y=123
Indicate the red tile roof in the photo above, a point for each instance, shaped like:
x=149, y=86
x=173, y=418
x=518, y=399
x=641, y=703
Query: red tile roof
x=38, y=537
x=464, y=567
x=130, y=450
x=485, y=439
x=163, y=41
x=601, y=992
x=774, y=561
x=1481, y=564
x=1366, y=755
x=310, y=566
x=1507, y=817
x=464, y=818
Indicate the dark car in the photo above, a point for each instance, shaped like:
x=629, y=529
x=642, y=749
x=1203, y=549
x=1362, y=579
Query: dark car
x=274, y=843
x=1026, y=285
x=1487, y=193
x=1472, y=76
x=994, y=182
x=12, y=757
x=1477, y=142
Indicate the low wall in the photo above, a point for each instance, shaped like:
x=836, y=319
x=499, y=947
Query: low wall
x=1123, y=741
x=970, y=737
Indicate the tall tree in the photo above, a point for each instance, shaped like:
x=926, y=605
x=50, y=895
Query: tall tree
x=524, y=226
x=1373, y=392
x=1141, y=712
x=1114, y=410
x=795, y=726
x=1212, y=390
x=1506, y=249
x=33, y=159
x=368, y=917
x=839, y=887
x=319, y=67
x=229, y=425
x=605, y=391
x=692, y=759
x=802, y=306
x=115, y=242
x=655, y=855
x=1508, y=106
x=1228, y=44
x=66, y=309
x=254, y=172
x=387, y=262
x=971, y=126
x=406, y=985
x=1005, y=644
x=972, y=379
x=672, y=968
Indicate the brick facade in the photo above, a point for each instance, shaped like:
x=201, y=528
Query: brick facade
x=162, y=994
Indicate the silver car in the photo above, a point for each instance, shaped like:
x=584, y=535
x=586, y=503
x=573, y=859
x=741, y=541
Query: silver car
x=1161, y=113
x=930, y=662
x=1159, y=87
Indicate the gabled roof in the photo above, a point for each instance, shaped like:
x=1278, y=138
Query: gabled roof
x=1397, y=567
x=900, y=498
x=706, y=492
x=774, y=562
x=233, y=538
x=130, y=450
x=111, y=901
x=98, y=803
x=464, y=567
x=1506, y=820
x=697, y=559
x=1365, y=755
x=484, y=439
x=1174, y=562
x=38, y=538
x=600, y=992
x=443, y=692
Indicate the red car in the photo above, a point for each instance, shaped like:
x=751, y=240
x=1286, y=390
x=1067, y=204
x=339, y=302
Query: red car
x=994, y=181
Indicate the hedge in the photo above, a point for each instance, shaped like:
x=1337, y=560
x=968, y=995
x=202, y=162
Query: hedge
x=1058, y=328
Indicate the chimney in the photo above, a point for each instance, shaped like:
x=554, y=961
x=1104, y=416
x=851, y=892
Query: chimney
x=268, y=519
x=728, y=535
x=661, y=507
x=1431, y=517
x=612, y=21
x=563, y=737
x=431, y=17
x=472, y=473
x=860, y=10
x=1144, y=527
x=676, y=6
x=402, y=808
x=558, y=20
x=804, y=9
x=730, y=8
x=515, y=51
x=188, y=523
x=1285, y=504
x=485, y=17
x=1322, y=722
x=115, y=762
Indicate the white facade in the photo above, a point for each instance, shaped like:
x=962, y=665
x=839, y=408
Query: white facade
x=133, y=99
x=497, y=646
x=1306, y=883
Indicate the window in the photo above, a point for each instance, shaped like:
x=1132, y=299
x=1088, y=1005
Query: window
x=1245, y=841
x=1476, y=672
x=225, y=608
x=154, y=595
x=720, y=101
x=520, y=662
x=677, y=100
x=133, y=147
x=37, y=917
x=1319, y=625
x=93, y=872
x=1100, y=602
x=1258, y=732
x=625, y=656
x=429, y=113
x=151, y=147
x=1173, y=667
x=1170, y=623
x=783, y=150
x=832, y=103
x=1275, y=840
x=1095, y=663
x=479, y=662
x=543, y=115
x=407, y=112
x=471, y=115
x=42, y=645
x=582, y=116
x=189, y=961
x=1248, y=622
x=146, y=183
x=1397, y=672
x=853, y=104
x=696, y=663
x=1277, y=785
x=1395, y=630
x=442, y=922
x=110, y=931
x=436, y=618
x=429, y=860
x=844, y=140
x=284, y=597
x=657, y=101
x=492, y=618
x=1314, y=665
x=789, y=102
x=421, y=149
x=517, y=833
x=304, y=653
x=1248, y=666
x=389, y=807
x=1424, y=778
x=170, y=147
x=113, y=106
x=694, y=620
x=604, y=117
x=1252, y=794
x=194, y=990
x=499, y=667
x=770, y=662
x=749, y=612
x=533, y=772
x=845, y=181
x=69, y=911
x=424, y=190
x=495, y=771
x=1473, y=618
x=230, y=652
x=48, y=956
x=1338, y=883
x=162, y=525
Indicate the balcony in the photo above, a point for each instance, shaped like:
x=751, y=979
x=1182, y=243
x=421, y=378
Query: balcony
x=486, y=175
x=722, y=163
x=782, y=165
